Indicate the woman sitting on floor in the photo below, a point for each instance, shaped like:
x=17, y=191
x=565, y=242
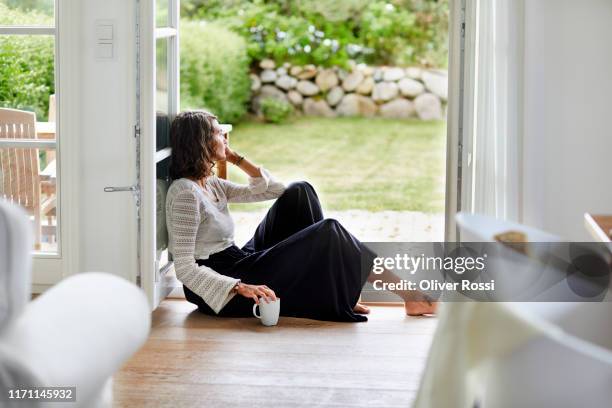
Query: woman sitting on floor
x=314, y=264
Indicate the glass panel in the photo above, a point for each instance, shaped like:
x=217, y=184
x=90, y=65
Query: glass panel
x=28, y=177
x=162, y=79
x=27, y=13
x=163, y=182
x=162, y=129
x=162, y=17
x=27, y=74
x=162, y=95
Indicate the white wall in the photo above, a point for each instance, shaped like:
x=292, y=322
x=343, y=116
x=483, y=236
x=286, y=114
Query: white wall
x=567, y=141
x=107, y=226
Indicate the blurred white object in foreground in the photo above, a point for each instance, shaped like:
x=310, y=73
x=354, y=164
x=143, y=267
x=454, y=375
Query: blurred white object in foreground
x=547, y=354
x=76, y=334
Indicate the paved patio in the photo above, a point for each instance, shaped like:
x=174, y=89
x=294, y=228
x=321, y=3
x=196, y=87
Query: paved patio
x=397, y=226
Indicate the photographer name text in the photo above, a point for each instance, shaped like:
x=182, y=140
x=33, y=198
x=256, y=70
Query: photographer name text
x=434, y=285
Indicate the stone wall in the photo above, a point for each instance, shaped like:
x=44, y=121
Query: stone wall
x=390, y=92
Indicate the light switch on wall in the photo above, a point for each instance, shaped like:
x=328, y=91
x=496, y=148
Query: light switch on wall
x=104, y=32
x=104, y=39
x=104, y=51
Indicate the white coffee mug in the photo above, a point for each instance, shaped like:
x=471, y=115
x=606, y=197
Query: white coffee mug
x=269, y=312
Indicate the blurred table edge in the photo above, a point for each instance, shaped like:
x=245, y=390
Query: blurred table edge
x=599, y=226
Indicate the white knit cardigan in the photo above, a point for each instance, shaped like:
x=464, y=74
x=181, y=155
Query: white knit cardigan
x=199, y=226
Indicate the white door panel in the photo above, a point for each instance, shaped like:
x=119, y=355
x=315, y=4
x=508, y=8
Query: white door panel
x=159, y=70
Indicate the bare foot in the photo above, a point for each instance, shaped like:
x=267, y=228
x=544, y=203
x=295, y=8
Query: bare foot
x=361, y=309
x=420, y=304
x=420, y=308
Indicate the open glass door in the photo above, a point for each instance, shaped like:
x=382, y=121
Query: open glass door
x=158, y=69
x=33, y=171
x=455, y=157
x=485, y=110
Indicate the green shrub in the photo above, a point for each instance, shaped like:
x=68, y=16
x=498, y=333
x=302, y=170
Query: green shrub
x=214, y=70
x=276, y=111
x=26, y=64
x=331, y=32
x=40, y=6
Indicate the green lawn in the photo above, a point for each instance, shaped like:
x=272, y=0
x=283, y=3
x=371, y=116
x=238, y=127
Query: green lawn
x=370, y=164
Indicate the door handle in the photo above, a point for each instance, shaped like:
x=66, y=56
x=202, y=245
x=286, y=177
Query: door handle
x=133, y=189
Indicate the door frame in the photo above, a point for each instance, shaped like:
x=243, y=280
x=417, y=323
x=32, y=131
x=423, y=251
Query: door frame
x=68, y=125
x=462, y=39
x=153, y=281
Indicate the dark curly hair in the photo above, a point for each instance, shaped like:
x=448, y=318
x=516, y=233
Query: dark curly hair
x=191, y=136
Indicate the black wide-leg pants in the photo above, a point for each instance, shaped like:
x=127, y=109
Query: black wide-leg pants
x=314, y=265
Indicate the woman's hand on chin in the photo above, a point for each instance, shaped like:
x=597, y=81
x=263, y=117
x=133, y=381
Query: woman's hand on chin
x=255, y=292
x=230, y=155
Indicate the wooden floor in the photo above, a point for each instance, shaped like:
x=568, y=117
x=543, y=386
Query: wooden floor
x=194, y=360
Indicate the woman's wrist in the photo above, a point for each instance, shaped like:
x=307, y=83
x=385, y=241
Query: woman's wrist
x=236, y=287
x=237, y=159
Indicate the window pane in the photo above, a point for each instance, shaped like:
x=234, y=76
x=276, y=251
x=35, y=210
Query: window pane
x=162, y=73
x=27, y=74
x=27, y=13
x=162, y=130
x=28, y=177
x=161, y=13
x=27, y=111
x=162, y=95
x=163, y=182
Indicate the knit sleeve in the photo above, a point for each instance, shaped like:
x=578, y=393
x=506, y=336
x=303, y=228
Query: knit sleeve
x=212, y=287
x=261, y=188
